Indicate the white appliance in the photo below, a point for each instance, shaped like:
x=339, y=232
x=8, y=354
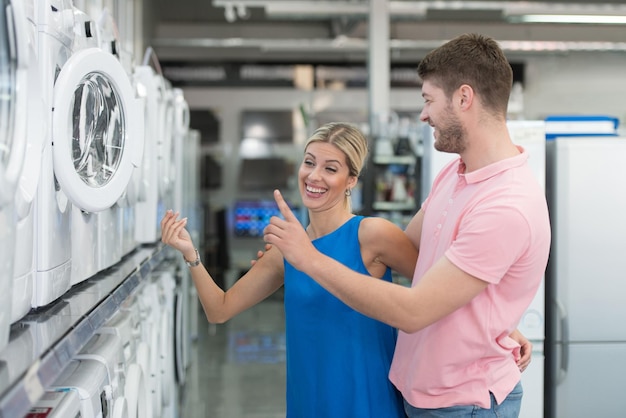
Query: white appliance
x=24, y=260
x=180, y=143
x=55, y=22
x=107, y=349
x=585, y=334
x=166, y=168
x=166, y=281
x=530, y=134
x=186, y=302
x=136, y=387
x=83, y=160
x=149, y=200
x=13, y=101
x=151, y=308
x=123, y=242
x=56, y=404
x=90, y=380
x=84, y=225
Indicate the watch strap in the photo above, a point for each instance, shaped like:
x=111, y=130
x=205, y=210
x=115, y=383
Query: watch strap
x=194, y=263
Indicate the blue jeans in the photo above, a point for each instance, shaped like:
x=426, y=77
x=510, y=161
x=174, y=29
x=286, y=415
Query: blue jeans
x=509, y=408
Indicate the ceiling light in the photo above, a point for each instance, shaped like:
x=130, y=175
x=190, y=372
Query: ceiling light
x=584, y=19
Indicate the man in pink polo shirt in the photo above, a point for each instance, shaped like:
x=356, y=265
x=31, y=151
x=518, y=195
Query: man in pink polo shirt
x=483, y=236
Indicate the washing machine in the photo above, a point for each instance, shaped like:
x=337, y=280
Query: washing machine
x=24, y=216
x=55, y=23
x=128, y=219
x=124, y=209
x=107, y=348
x=149, y=202
x=56, y=404
x=90, y=380
x=169, y=347
x=180, y=132
x=90, y=150
x=13, y=102
x=166, y=168
x=124, y=324
x=84, y=224
x=113, y=245
x=151, y=308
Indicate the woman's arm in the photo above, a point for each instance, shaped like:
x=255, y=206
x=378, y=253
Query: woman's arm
x=384, y=244
x=263, y=279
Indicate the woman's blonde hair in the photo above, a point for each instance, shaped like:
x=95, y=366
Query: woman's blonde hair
x=350, y=140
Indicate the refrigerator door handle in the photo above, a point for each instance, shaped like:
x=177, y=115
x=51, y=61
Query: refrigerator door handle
x=564, y=320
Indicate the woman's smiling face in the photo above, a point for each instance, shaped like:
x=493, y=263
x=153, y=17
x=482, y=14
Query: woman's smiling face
x=324, y=176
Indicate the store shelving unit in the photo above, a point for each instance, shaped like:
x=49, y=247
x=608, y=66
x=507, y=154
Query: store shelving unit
x=46, y=340
x=392, y=179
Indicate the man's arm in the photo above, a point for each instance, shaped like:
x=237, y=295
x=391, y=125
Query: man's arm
x=442, y=290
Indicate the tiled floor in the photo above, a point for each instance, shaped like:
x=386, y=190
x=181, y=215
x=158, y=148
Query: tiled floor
x=237, y=369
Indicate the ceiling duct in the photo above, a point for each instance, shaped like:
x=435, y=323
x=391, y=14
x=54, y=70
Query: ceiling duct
x=512, y=11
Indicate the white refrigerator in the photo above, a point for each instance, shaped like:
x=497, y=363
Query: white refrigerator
x=530, y=134
x=586, y=278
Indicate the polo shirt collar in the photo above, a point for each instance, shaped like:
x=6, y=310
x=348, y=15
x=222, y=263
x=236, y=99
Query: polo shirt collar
x=494, y=169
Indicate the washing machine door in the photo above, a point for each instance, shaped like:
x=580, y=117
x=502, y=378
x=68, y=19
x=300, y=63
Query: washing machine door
x=120, y=408
x=13, y=67
x=97, y=134
x=135, y=392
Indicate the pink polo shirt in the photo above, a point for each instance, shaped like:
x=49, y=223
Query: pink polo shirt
x=493, y=224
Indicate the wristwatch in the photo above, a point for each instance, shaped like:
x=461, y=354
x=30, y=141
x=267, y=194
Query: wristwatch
x=195, y=262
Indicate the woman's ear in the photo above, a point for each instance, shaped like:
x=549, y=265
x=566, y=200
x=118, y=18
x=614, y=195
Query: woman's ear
x=352, y=181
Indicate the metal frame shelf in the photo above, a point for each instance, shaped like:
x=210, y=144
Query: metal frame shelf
x=56, y=333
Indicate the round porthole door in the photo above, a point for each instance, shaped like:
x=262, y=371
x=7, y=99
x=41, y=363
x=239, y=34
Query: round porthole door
x=97, y=130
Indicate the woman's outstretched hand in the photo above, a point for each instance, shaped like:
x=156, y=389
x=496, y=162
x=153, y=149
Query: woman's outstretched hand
x=174, y=234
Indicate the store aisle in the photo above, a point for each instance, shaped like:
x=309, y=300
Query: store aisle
x=238, y=369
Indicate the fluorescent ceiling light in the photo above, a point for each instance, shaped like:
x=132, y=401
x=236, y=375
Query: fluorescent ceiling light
x=586, y=19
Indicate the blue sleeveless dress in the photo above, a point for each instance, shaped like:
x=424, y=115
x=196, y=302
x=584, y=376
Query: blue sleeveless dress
x=337, y=359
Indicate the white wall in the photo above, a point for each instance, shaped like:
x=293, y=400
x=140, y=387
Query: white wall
x=577, y=83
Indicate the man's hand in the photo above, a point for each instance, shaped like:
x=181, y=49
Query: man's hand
x=260, y=253
x=526, y=349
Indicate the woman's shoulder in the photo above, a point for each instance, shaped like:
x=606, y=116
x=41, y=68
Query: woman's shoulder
x=375, y=227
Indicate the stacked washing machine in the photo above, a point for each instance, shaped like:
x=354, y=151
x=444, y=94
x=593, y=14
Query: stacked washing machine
x=74, y=171
x=24, y=220
x=125, y=326
x=89, y=148
x=13, y=109
x=150, y=201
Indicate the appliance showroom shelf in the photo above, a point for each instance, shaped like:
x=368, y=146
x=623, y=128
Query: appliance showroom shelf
x=44, y=341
